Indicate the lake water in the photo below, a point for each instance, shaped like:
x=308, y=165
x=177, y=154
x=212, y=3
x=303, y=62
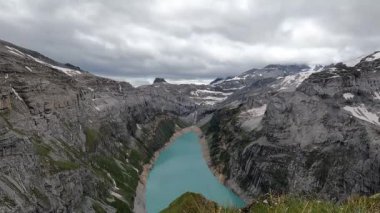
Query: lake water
x=181, y=168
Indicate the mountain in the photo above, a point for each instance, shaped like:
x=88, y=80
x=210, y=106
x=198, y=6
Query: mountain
x=320, y=139
x=159, y=80
x=72, y=141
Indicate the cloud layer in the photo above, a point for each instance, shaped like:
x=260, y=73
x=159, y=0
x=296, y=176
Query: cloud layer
x=192, y=39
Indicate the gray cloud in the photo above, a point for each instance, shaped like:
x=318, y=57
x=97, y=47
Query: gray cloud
x=197, y=39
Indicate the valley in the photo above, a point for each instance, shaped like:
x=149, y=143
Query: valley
x=72, y=141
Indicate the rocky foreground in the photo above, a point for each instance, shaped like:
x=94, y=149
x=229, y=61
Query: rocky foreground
x=71, y=141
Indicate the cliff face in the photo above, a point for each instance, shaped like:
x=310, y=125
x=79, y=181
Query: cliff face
x=72, y=141
x=321, y=139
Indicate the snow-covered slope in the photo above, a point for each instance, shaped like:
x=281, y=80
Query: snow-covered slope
x=364, y=58
x=66, y=70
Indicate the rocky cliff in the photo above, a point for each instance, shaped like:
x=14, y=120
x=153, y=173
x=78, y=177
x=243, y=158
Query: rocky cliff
x=321, y=139
x=71, y=141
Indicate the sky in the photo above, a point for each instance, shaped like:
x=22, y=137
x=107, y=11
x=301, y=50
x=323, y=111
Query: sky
x=191, y=40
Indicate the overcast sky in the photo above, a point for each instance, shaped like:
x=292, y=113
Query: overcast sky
x=191, y=40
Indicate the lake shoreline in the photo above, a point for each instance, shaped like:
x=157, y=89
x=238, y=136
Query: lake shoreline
x=140, y=198
x=230, y=184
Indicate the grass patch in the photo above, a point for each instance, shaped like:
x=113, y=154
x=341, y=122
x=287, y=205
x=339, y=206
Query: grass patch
x=92, y=140
x=40, y=196
x=121, y=207
x=194, y=203
x=59, y=166
x=42, y=149
x=98, y=208
x=125, y=177
x=7, y=201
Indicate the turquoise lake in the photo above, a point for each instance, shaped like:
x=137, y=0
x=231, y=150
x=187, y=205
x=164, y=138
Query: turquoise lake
x=181, y=168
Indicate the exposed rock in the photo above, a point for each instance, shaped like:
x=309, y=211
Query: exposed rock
x=311, y=141
x=159, y=80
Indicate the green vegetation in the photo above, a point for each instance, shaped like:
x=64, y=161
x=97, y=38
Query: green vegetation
x=6, y=201
x=40, y=196
x=164, y=132
x=43, y=150
x=135, y=158
x=125, y=177
x=121, y=206
x=98, y=208
x=59, y=166
x=191, y=203
x=196, y=203
x=92, y=140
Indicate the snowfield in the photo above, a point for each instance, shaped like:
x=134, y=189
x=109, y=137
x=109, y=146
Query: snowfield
x=209, y=97
x=67, y=71
x=376, y=95
x=251, y=118
x=348, y=96
x=362, y=113
x=294, y=80
x=373, y=57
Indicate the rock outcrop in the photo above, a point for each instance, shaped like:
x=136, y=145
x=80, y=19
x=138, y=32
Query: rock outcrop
x=159, y=80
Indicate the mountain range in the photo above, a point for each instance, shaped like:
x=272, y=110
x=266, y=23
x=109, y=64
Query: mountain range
x=72, y=141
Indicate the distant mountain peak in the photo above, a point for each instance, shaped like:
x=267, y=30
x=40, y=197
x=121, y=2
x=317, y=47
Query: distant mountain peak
x=216, y=80
x=286, y=66
x=159, y=80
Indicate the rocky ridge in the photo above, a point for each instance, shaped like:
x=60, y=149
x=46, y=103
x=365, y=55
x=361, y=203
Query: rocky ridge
x=320, y=139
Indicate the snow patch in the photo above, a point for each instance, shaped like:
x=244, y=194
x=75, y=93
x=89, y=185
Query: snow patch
x=28, y=68
x=236, y=78
x=209, y=97
x=376, y=96
x=353, y=62
x=348, y=96
x=291, y=81
x=235, y=88
x=17, y=95
x=362, y=113
x=255, y=112
x=117, y=195
x=251, y=118
x=113, y=181
x=213, y=98
x=67, y=71
x=199, y=92
x=15, y=51
x=373, y=57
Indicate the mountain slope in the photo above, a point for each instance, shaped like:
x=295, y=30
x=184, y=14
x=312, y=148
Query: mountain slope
x=72, y=141
x=321, y=139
